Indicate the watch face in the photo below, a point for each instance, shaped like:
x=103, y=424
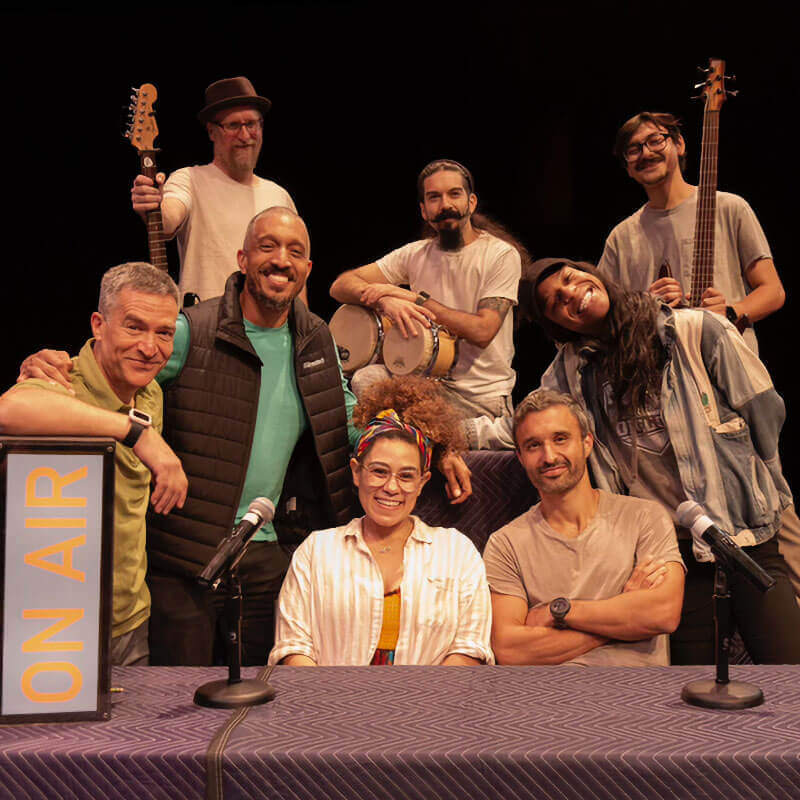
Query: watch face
x=731, y=314
x=559, y=607
x=140, y=416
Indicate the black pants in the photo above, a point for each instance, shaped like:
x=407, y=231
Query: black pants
x=187, y=622
x=769, y=623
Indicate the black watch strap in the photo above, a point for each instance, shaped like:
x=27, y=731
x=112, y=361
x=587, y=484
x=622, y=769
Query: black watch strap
x=559, y=608
x=136, y=430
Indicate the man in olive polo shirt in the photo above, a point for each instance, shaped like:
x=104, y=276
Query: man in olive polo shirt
x=114, y=395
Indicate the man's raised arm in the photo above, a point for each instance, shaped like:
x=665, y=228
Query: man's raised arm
x=146, y=196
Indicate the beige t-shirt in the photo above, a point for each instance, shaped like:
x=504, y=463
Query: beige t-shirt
x=460, y=279
x=530, y=560
x=218, y=210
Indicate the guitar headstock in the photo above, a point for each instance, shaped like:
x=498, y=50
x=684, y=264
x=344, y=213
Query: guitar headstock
x=712, y=89
x=142, y=129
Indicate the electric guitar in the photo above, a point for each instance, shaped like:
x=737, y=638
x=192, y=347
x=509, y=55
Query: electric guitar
x=142, y=131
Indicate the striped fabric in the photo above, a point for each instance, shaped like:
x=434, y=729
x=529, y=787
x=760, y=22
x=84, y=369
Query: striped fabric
x=331, y=606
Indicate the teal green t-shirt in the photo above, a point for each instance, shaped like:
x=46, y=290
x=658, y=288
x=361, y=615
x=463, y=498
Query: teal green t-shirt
x=281, y=417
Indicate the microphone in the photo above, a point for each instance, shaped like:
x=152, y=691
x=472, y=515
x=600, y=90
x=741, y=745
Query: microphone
x=231, y=549
x=729, y=554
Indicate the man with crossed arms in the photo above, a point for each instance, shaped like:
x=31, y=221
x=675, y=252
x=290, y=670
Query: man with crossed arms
x=585, y=576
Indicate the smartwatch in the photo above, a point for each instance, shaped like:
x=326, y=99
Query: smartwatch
x=139, y=421
x=559, y=608
x=422, y=298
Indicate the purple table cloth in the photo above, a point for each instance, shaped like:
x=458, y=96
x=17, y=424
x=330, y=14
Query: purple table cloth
x=421, y=732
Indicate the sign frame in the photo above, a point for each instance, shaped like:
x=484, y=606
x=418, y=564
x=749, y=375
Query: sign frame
x=69, y=445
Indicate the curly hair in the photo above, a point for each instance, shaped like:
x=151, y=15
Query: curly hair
x=419, y=402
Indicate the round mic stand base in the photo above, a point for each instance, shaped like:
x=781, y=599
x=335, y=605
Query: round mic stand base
x=722, y=692
x=223, y=694
x=731, y=695
x=234, y=692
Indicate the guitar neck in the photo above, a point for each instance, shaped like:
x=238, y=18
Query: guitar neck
x=156, y=242
x=705, y=222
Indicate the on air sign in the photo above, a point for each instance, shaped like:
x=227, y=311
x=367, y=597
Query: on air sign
x=56, y=577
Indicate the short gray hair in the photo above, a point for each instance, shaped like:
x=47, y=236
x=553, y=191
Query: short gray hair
x=136, y=275
x=541, y=400
x=275, y=210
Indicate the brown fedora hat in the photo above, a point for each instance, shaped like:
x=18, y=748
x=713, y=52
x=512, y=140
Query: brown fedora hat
x=231, y=92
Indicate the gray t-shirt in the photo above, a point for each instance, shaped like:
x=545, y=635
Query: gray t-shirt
x=529, y=559
x=638, y=247
x=641, y=448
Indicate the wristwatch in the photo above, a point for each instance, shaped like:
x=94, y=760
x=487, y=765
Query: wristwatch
x=741, y=321
x=422, y=298
x=559, y=608
x=139, y=421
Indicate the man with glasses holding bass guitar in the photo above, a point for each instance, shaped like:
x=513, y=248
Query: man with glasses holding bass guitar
x=652, y=250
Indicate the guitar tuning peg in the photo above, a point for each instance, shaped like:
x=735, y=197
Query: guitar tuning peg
x=704, y=70
x=730, y=77
x=732, y=92
x=696, y=96
x=702, y=83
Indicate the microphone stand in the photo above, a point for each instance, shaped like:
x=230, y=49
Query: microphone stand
x=722, y=692
x=235, y=691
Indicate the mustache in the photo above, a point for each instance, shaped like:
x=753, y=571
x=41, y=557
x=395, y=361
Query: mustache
x=644, y=162
x=560, y=462
x=448, y=213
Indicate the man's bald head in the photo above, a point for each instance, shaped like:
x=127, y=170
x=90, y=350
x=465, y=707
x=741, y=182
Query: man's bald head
x=276, y=211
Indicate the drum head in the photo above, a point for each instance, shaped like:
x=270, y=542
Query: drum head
x=406, y=356
x=355, y=331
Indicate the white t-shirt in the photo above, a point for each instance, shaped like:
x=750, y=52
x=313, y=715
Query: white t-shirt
x=637, y=248
x=460, y=279
x=218, y=210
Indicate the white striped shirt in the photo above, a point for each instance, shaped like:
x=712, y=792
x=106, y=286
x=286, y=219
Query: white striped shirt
x=331, y=605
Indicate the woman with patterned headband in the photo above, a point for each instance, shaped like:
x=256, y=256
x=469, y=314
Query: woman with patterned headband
x=387, y=588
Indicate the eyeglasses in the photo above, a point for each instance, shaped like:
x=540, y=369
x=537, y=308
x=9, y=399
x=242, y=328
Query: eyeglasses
x=379, y=475
x=252, y=126
x=655, y=143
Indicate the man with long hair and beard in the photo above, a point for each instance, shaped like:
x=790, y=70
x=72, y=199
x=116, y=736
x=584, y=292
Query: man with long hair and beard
x=680, y=408
x=463, y=275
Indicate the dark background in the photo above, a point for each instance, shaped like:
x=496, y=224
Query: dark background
x=364, y=95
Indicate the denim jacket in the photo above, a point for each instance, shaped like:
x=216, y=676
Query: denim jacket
x=722, y=414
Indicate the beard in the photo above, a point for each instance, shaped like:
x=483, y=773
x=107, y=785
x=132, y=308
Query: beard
x=243, y=159
x=564, y=482
x=267, y=301
x=450, y=238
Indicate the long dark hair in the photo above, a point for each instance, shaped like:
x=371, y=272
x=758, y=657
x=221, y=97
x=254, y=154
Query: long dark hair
x=632, y=355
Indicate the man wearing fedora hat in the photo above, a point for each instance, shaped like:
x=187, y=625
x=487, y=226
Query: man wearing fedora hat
x=208, y=206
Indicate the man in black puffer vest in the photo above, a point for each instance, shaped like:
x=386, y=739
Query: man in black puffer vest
x=255, y=404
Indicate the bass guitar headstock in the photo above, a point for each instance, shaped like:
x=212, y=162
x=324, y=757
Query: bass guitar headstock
x=712, y=89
